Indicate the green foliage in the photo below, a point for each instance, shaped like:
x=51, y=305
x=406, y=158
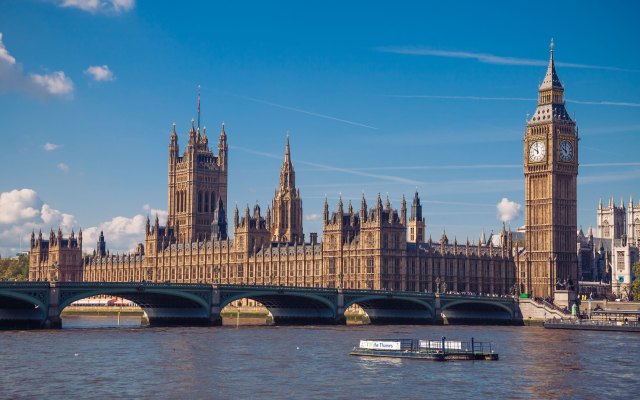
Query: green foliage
x=635, y=285
x=14, y=269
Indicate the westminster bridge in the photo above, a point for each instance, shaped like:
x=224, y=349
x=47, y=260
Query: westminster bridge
x=39, y=304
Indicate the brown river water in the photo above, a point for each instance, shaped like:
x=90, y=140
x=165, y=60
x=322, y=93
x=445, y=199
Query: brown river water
x=91, y=358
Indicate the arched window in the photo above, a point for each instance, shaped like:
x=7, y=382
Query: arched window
x=213, y=201
x=206, y=202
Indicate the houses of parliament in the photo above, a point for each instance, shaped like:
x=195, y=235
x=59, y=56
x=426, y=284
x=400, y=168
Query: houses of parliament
x=376, y=246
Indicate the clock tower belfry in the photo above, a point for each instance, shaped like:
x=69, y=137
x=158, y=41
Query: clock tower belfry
x=550, y=172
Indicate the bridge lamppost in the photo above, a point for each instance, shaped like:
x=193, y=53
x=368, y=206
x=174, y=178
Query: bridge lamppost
x=438, y=285
x=216, y=270
x=54, y=271
x=515, y=290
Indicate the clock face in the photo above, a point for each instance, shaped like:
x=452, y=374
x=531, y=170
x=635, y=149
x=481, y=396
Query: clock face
x=537, y=151
x=566, y=150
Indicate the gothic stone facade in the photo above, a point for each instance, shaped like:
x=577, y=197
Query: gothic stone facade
x=373, y=248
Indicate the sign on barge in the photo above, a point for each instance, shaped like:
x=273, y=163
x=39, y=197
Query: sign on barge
x=435, y=350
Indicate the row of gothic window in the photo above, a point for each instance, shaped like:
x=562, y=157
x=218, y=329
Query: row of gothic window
x=206, y=201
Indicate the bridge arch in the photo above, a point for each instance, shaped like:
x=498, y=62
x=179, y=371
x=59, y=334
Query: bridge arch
x=289, y=307
x=161, y=305
x=386, y=309
x=477, y=311
x=22, y=309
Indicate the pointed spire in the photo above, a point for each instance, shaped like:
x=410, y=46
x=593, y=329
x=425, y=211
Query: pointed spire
x=326, y=210
x=379, y=202
x=551, y=79
x=416, y=208
x=287, y=174
x=268, y=218
x=287, y=151
x=387, y=204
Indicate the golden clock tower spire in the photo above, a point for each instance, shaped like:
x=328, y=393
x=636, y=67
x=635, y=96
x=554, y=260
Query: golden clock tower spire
x=550, y=171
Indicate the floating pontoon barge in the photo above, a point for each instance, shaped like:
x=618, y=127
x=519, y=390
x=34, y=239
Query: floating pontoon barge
x=435, y=350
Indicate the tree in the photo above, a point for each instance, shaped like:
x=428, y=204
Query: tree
x=635, y=285
x=14, y=269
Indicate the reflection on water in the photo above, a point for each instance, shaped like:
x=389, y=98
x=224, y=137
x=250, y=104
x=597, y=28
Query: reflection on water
x=374, y=363
x=101, y=321
x=307, y=362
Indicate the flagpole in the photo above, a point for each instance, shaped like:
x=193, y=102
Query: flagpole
x=198, y=108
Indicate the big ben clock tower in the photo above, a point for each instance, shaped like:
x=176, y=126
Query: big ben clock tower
x=550, y=169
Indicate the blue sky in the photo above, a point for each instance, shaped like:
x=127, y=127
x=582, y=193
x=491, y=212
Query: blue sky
x=376, y=96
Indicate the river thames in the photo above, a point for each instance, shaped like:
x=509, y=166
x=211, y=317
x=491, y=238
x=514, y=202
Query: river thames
x=92, y=359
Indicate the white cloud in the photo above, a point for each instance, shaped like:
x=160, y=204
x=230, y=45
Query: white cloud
x=488, y=58
x=99, y=6
x=4, y=54
x=50, y=146
x=63, y=167
x=312, y=217
x=100, y=73
x=12, y=78
x=23, y=211
x=55, y=83
x=507, y=210
x=152, y=212
x=19, y=205
x=121, y=233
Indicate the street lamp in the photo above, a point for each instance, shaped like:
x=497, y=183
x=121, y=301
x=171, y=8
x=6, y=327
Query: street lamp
x=216, y=269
